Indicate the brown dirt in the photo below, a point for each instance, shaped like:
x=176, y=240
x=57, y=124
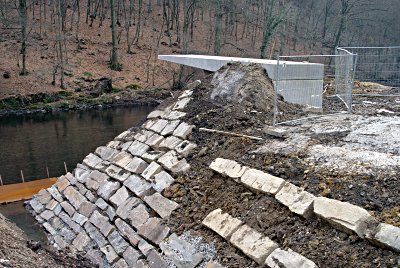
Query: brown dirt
x=202, y=190
x=17, y=251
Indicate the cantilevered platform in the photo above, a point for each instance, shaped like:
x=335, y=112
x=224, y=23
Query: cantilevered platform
x=299, y=82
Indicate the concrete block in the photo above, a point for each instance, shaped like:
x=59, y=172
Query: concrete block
x=126, y=207
x=222, y=223
x=297, y=200
x=138, y=215
x=288, y=259
x=228, y=167
x=159, y=125
x=253, y=244
x=117, y=173
x=110, y=254
x=127, y=232
x=386, y=235
x=162, y=180
x=74, y=197
x=102, y=223
x=170, y=143
x=181, y=104
x=151, y=171
x=118, y=242
x=138, y=149
x=163, y=206
x=120, y=196
x=185, y=148
x=183, y=130
x=136, y=165
x=131, y=256
x=261, y=181
x=107, y=189
x=342, y=215
x=170, y=127
x=153, y=230
x=155, y=114
x=138, y=186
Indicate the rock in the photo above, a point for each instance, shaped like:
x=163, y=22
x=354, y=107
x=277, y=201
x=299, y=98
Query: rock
x=52, y=204
x=153, y=230
x=106, y=153
x=118, y=243
x=87, y=208
x=155, y=261
x=127, y=232
x=213, y=264
x=222, y=223
x=92, y=160
x=36, y=205
x=101, y=203
x=253, y=243
x=102, y=166
x=63, y=183
x=68, y=208
x=181, y=104
x=192, y=86
x=74, y=197
x=121, y=263
x=138, y=216
x=71, y=178
x=43, y=196
x=125, y=136
x=138, y=149
x=143, y=135
x=185, y=148
x=110, y=211
x=170, y=143
x=148, y=124
x=181, y=253
x=386, y=235
x=126, y=207
x=163, y=206
x=55, y=193
x=138, y=186
x=228, y=167
x=81, y=241
x=186, y=93
x=151, y=170
x=95, y=256
x=49, y=229
x=155, y=114
x=342, y=215
x=159, y=125
x=80, y=174
x=60, y=242
x=261, y=181
x=103, y=85
x=171, y=162
x=297, y=200
x=117, y=173
x=154, y=140
x=57, y=223
x=68, y=221
x=47, y=214
x=170, y=127
x=113, y=144
x=151, y=156
x=173, y=115
x=110, y=254
x=162, y=180
x=131, y=256
x=125, y=146
x=102, y=223
x=95, y=235
x=79, y=218
x=288, y=259
x=183, y=130
x=67, y=234
x=137, y=165
x=120, y=196
x=107, y=189
x=122, y=159
x=144, y=247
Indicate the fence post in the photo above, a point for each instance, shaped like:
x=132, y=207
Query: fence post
x=47, y=170
x=1, y=181
x=276, y=93
x=22, y=176
x=65, y=166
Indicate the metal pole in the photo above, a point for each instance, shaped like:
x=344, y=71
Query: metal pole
x=276, y=94
x=1, y=181
x=65, y=166
x=47, y=170
x=352, y=81
x=22, y=176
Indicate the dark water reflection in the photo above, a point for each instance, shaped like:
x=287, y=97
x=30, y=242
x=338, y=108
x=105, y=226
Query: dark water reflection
x=32, y=142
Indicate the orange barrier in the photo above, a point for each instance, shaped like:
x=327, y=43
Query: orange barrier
x=23, y=191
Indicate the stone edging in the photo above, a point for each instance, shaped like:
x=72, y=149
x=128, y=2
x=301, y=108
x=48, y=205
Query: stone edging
x=341, y=215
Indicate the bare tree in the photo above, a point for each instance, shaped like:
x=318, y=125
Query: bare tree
x=114, y=64
x=23, y=20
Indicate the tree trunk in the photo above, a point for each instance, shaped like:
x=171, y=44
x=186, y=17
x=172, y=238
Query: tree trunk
x=23, y=18
x=114, y=65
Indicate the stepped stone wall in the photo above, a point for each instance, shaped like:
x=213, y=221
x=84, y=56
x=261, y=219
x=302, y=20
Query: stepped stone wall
x=111, y=207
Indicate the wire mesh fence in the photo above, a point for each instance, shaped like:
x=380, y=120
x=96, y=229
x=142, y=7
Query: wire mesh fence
x=378, y=69
x=313, y=85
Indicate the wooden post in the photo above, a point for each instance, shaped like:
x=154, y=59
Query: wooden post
x=22, y=176
x=47, y=170
x=1, y=181
x=65, y=166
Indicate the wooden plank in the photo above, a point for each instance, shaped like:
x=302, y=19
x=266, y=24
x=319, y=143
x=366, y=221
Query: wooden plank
x=23, y=191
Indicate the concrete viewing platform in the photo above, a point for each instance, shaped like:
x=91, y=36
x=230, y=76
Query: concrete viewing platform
x=299, y=82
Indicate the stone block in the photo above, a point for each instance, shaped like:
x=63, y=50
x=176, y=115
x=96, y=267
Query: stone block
x=261, y=181
x=173, y=115
x=288, y=259
x=51, y=205
x=151, y=171
x=121, y=263
x=162, y=180
x=253, y=244
x=57, y=223
x=60, y=242
x=181, y=104
x=81, y=188
x=213, y=264
x=153, y=230
x=55, y=193
x=71, y=178
x=92, y=160
x=151, y=156
x=228, y=167
x=68, y=221
x=125, y=146
x=222, y=223
x=95, y=256
x=98, y=176
x=144, y=247
x=39, y=219
x=159, y=125
x=117, y=173
x=36, y=205
x=49, y=229
x=57, y=209
x=111, y=213
x=163, y=206
x=131, y=256
x=155, y=114
x=80, y=174
x=118, y=242
x=170, y=143
x=126, y=207
x=43, y=196
x=79, y=218
x=47, y=214
x=95, y=235
x=106, y=153
x=90, y=196
x=138, y=186
x=125, y=136
x=100, y=203
x=185, y=148
x=180, y=252
x=183, y=130
x=186, y=93
x=143, y=135
x=102, y=223
x=113, y=144
x=87, y=208
x=138, y=215
x=155, y=261
x=342, y=215
x=148, y=123
x=127, y=232
x=297, y=200
x=107, y=189
x=81, y=241
x=154, y=140
x=110, y=254
x=74, y=197
x=63, y=183
x=171, y=162
x=122, y=159
x=138, y=149
x=386, y=235
x=103, y=165
x=67, y=234
x=120, y=196
x=170, y=127
x=136, y=165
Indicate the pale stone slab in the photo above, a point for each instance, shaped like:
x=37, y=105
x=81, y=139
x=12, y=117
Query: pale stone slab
x=154, y=140
x=121, y=263
x=117, y=173
x=131, y=256
x=80, y=174
x=92, y=160
x=174, y=115
x=126, y=207
x=170, y=143
x=79, y=218
x=102, y=223
x=222, y=223
x=125, y=146
x=183, y=130
x=159, y=125
x=228, y=167
x=148, y=123
x=153, y=230
x=185, y=148
x=74, y=197
x=155, y=114
x=342, y=215
x=52, y=204
x=138, y=186
x=136, y=165
x=98, y=176
x=106, y=153
x=36, y=205
x=386, y=235
x=288, y=259
x=181, y=104
x=110, y=254
x=47, y=214
x=122, y=159
x=143, y=135
x=113, y=144
x=139, y=215
x=68, y=221
x=190, y=87
x=125, y=136
x=120, y=196
x=163, y=206
x=151, y=156
x=43, y=196
x=68, y=208
x=151, y=171
x=81, y=241
x=127, y=232
x=87, y=208
x=169, y=129
x=262, y=181
x=171, y=162
x=95, y=235
x=102, y=165
x=297, y=200
x=144, y=248
x=100, y=203
x=107, y=189
x=111, y=213
x=118, y=242
x=253, y=244
x=138, y=149
x=162, y=180
x=63, y=183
